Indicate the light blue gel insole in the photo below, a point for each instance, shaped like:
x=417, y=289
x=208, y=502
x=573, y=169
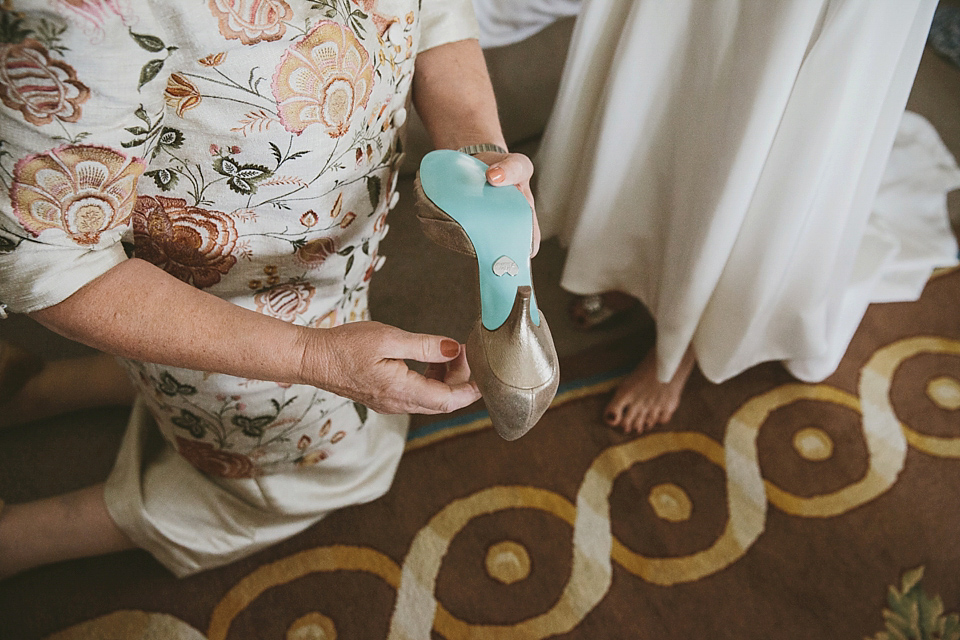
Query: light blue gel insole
x=498, y=221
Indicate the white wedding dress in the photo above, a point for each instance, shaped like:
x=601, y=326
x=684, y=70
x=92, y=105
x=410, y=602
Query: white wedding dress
x=726, y=162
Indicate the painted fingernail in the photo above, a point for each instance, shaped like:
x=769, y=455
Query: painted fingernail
x=496, y=175
x=449, y=348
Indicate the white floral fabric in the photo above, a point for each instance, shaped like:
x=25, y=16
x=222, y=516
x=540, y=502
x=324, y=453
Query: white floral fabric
x=247, y=147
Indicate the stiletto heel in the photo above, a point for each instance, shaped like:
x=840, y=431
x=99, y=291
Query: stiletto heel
x=510, y=350
x=515, y=367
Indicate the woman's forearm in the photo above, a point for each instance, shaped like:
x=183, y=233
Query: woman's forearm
x=454, y=98
x=137, y=310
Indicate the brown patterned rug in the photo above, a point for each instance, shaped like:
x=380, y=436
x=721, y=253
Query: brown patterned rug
x=766, y=509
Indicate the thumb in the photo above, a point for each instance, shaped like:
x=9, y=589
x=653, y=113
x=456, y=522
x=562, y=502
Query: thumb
x=514, y=169
x=424, y=347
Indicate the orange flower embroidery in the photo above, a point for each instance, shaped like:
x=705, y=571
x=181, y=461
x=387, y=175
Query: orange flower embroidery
x=315, y=252
x=213, y=60
x=191, y=243
x=309, y=218
x=251, y=21
x=323, y=79
x=285, y=301
x=181, y=94
x=215, y=462
x=81, y=190
x=313, y=458
x=41, y=88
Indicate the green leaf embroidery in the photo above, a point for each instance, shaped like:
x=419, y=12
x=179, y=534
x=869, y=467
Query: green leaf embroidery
x=349, y=265
x=149, y=72
x=362, y=412
x=170, y=386
x=11, y=27
x=252, y=427
x=152, y=44
x=373, y=190
x=191, y=422
x=165, y=179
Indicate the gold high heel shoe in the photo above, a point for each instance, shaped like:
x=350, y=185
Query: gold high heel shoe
x=515, y=363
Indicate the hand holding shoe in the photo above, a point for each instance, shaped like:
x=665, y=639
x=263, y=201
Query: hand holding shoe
x=364, y=361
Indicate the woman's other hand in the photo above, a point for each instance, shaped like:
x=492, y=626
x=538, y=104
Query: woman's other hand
x=513, y=169
x=364, y=361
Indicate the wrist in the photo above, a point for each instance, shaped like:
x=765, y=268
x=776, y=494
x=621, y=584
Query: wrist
x=483, y=147
x=312, y=351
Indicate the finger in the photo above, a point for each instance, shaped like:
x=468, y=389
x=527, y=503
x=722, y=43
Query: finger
x=421, y=347
x=515, y=169
x=458, y=371
x=432, y=396
x=436, y=371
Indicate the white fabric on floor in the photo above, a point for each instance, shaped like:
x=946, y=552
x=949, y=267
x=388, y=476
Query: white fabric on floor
x=722, y=161
x=504, y=22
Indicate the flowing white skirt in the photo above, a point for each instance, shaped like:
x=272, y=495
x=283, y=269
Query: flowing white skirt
x=722, y=160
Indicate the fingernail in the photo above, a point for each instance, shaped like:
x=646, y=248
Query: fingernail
x=496, y=175
x=449, y=348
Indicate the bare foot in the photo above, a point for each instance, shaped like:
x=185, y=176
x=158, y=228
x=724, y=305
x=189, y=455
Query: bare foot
x=642, y=401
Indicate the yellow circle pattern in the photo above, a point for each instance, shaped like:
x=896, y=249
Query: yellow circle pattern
x=417, y=613
x=670, y=502
x=945, y=393
x=313, y=626
x=508, y=562
x=813, y=444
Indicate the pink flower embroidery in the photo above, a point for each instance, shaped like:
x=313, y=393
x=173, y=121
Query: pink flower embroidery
x=81, y=190
x=251, y=21
x=41, y=88
x=215, y=462
x=323, y=79
x=285, y=301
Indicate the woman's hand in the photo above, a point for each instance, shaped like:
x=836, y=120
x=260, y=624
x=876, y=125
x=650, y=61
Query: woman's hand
x=364, y=361
x=513, y=169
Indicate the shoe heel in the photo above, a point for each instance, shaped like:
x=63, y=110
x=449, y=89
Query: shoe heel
x=515, y=367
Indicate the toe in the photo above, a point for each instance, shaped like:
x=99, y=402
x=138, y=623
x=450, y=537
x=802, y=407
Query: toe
x=635, y=419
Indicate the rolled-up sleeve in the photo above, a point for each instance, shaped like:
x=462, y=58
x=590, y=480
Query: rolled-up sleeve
x=81, y=106
x=443, y=21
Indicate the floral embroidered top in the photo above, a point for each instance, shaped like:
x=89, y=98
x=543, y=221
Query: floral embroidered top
x=247, y=147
